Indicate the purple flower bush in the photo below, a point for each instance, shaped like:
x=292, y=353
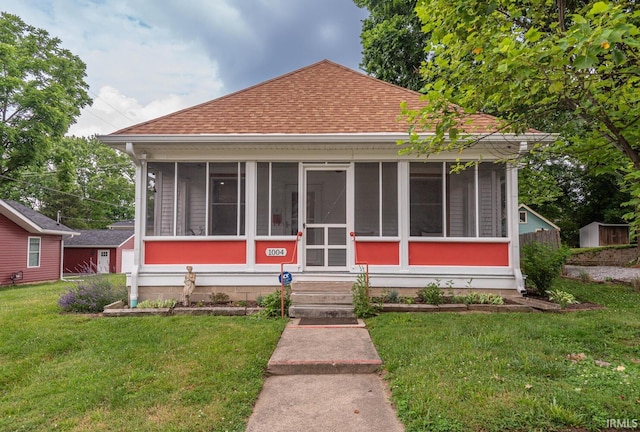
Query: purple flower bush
x=91, y=295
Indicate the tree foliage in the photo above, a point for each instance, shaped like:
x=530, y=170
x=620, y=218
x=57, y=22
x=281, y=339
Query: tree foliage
x=571, y=65
x=42, y=90
x=392, y=41
x=86, y=183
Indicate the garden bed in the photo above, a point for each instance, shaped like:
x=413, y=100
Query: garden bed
x=221, y=309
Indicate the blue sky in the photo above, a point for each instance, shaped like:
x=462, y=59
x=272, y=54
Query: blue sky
x=148, y=58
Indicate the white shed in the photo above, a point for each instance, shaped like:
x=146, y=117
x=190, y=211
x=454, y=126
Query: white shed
x=602, y=234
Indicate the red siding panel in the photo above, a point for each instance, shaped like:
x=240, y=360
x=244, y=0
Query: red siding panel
x=459, y=254
x=13, y=254
x=195, y=252
x=79, y=260
x=378, y=253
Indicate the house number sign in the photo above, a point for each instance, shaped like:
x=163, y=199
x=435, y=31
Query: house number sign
x=276, y=252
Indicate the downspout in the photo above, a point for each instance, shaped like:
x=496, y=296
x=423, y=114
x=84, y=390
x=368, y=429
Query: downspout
x=515, y=229
x=137, y=242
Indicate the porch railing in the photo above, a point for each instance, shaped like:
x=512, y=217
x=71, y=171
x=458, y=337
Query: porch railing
x=294, y=255
x=360, y=262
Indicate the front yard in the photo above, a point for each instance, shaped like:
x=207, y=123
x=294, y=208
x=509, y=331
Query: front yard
x=447, y=372
x=516, y=372
x=78, y=372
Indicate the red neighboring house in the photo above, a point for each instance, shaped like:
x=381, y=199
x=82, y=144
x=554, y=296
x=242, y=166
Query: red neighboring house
x=32, y=245
x=97, y=250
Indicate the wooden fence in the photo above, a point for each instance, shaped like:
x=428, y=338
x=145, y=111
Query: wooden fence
x=550, y=237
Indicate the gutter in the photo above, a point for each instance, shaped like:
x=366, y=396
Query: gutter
x=137, y=242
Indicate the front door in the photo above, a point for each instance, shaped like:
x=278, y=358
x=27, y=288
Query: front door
x=103, y=261
x=325, y=218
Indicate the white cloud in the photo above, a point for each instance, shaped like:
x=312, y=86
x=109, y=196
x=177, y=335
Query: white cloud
x=113, y=110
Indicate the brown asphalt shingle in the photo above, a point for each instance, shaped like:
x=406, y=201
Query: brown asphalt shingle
x=321, y=98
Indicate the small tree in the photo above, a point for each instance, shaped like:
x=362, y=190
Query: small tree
x=542, y=263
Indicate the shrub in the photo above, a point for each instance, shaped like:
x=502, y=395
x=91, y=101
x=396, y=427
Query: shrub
x=157, y=304
x=363, y=307
x=481, y=298
x=432, y=294
x=542, y=263
x=562, y=298
x=219, y=298
x=91, y=295
x=271, y=303
x=392, y=297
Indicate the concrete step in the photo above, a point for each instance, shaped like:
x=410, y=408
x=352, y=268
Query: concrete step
x=319, y=286
x=321, y=297
x=321, y=311
x=313, y=351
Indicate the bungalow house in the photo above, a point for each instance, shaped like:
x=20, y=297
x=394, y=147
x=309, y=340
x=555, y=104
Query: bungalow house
x=97, y=251
x=287, y=170
x=32, y=245
x=531, y=221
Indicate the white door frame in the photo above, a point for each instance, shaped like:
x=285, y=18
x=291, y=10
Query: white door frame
x=346, y=225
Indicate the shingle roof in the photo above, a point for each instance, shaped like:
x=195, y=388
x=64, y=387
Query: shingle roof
x=31, y=220
x=321, y=98
x=99, y=238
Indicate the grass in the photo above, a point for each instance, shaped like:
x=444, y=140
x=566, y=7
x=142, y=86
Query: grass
x=510, y=372
x=80, y=372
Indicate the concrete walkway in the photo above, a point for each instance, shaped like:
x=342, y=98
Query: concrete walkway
x=323, y=378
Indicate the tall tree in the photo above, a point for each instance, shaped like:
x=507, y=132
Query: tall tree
x=42, y=90
x=529, y=61
x=392, y=41
x=83, y=182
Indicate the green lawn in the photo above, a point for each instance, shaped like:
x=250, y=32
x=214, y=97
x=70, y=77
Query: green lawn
x=76, y=372
x=510, y=372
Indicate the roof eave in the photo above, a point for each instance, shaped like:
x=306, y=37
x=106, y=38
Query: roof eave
x=346, y=138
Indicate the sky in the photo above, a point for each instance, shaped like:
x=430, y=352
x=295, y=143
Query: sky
x=149, y=58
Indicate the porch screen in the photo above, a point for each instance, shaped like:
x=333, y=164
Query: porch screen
x=475, y=200
x=376, y=199
x=277, y=199
x=181, y=202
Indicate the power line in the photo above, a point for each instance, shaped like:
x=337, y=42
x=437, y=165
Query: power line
x=64, y=193
x=116, y=109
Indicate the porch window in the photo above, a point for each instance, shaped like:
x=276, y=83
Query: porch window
x=192, y=199
x=492, y=191
x=227, y=198
x=425, y=196
x=160, y=198
x=178, y=197
x=33, y=259
x=461, y=202
x=475, y=200
x=376, y=199
x=277, y=198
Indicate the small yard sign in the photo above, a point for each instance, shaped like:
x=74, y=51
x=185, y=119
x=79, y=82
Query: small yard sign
x=286, y=276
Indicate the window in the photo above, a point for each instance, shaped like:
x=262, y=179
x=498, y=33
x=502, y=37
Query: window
x=425, y=197
x=376, y=199
x=461, y=202
x=33, y=259
x=227, y=198
x=523, y=217
x=492, y=199
x=177, y=199
x=475, y=200
x=277, y=199
x=160, y=198
x=191, y=199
